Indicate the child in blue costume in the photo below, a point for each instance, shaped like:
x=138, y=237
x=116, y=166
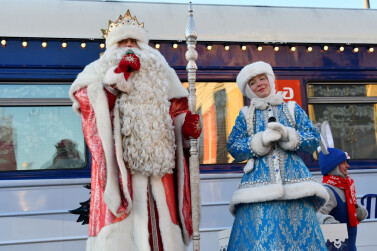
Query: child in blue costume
x=276, y=202
x=342, y=206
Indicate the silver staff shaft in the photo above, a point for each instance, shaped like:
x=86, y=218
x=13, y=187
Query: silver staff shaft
x=191, y=56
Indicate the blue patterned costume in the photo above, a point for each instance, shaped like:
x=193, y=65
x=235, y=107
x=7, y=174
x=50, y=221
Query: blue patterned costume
x=277, y=198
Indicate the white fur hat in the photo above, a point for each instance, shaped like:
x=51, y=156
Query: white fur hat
x=124, y=32
x=252, y=70
x=125, y=27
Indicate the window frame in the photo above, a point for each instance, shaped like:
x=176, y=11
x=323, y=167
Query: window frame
x=355, y=164
x=44, y=102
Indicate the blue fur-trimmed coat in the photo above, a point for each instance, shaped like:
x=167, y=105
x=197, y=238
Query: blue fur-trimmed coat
x=275, y=174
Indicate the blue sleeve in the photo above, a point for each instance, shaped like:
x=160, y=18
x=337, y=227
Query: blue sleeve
x=238, y=144
x=309, y=133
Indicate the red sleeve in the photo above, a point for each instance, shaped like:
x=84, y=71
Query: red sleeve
x=178, y=106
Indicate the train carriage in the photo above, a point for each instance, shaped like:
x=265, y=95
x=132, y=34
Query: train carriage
x=324, y=59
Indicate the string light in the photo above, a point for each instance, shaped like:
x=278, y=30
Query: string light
x=258, y=47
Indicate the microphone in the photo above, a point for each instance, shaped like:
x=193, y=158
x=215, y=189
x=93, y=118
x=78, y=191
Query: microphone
x=271, y=119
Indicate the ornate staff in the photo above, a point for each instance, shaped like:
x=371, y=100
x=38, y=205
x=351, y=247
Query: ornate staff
x=191, y=56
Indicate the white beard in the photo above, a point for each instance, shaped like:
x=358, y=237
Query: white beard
x=146, y=126
x=110, y=58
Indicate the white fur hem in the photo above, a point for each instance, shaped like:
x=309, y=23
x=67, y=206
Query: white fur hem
x=121, y=235
x=113, y=237
x=255, y=194
x=280, y=192
x=307, y=189
x=171, y=234
x=132, y=232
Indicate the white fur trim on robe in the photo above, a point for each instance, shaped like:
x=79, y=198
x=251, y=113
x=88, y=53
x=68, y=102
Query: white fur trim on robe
x=98, y=100
x=87, y=77
x=132, y=232
x=278, y=192
x=119, y=157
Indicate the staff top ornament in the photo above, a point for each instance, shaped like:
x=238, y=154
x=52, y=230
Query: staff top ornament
x=124, y=27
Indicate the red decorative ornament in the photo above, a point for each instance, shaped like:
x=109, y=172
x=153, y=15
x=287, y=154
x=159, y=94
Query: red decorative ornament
x=129, y=63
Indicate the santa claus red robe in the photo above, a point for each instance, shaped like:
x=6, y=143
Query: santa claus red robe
x=120, y=210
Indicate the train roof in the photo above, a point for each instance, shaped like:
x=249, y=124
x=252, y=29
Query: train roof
x=166, y=21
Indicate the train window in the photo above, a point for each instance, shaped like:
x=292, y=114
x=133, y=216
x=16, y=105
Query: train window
x=351, y=109
x=38, y=128
x=30, y=91
x=218, y=104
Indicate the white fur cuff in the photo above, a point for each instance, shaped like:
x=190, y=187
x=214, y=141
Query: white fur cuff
x=293, y=140
x=256, y=145
x=111, y=77
x=117, y=78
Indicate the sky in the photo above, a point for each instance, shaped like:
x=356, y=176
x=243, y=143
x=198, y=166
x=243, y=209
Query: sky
x=353, y=4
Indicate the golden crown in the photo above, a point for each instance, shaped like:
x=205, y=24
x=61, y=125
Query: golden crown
x=126, y=20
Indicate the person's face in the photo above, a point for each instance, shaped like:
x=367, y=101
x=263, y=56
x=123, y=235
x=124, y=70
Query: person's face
x=260, y=86
x=128, y=42
x=343, y=168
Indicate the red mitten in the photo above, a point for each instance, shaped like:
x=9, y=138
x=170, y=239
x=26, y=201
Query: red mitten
x=129, y=63
x=192, y=126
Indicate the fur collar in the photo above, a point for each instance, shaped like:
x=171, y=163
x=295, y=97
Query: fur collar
x=263, y=103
